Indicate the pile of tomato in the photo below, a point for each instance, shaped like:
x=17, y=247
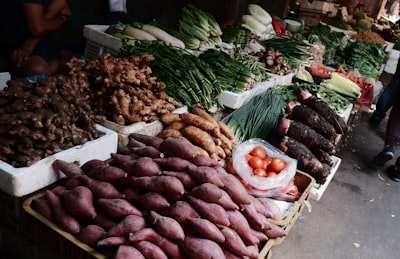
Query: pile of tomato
x=262, y=165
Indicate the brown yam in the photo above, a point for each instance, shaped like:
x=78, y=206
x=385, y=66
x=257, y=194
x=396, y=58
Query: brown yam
x=117, y=208
x=234, y=243
x=169, y=133
x=206, y=229
x=148, y=140
x=67, y=168
x=150, y=250
x=199, y=137
x=201, y=248
x=107, y=173
x=91, y=234
x=211, y=211
x=225, y=130
x=129, y=224
x=161, y=183
x=191, y=119
x=79, y=202
x=176, y=125
x=166, y=226
x=181, y=211
x=169, y=118
x=128, y=252
x=177, y=147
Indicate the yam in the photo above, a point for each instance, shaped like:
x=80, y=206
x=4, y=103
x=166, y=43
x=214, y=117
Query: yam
x=67, y=168
x=181, y=211
x=129, y=224
x=200, y=138
x=166, y=226
x=148, y=140
x=204, y=114
x=117, y=208
x=206, y=229
x=177, y=147
x=161, y=183
x=107, y=173
x=197, y=121
x=79, y=202
x=225, y=130
x=128, y=252
x=200, y=151
x=169, y=118
x=176, y=125
x=169, y=133
x=211, y=211
x=91, y=234
x=233, y=242
x=201, y=248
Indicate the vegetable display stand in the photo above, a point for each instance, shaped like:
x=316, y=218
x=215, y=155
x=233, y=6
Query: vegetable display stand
x=99, y=42
x=318, y=189
x=25, y=180
x=48, y=234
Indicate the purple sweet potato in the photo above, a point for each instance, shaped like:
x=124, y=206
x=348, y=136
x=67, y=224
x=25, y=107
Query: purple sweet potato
x=72, y=182
x=128, y=252
x=181, y=211
x=240, y=224
x=117, y=208
x=255, y=219
x=229, y=254
x=59, y=190
x=91, y=234
x=260, y=207
x=143, y=166
x=201, y=248
x=79, y=202
x=205, y=174
x=107, y=173
x=88, y=165
x=61, y=216
x=103, y=221
x=132, y=142
x=207, y=191
x=170, y=248
x=160, y=183
x=177, y=147
x=129, y=224
x=166, y=226
x=131, y=194
x=42, y=206
x=173, y=163
x=259, y=235
x=211, y=211
x=233, y=187
x=152, y=201
x=113, y=241
x=272, y=207
x=234, y=243
x=273, y=230
x=254, y=251
x=148, y=140
x=147, y=151
x=100, y=189
x=186, y=179
x=119, y=159
x=67, y=168
x=203, y=160
x=206, y=229
x=150, y=250
x=226, y=201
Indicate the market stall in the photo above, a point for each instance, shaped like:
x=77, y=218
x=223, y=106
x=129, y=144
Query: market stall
x=191, y=140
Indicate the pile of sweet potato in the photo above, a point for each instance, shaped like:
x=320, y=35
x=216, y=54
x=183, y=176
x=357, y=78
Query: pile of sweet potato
x=159, y=200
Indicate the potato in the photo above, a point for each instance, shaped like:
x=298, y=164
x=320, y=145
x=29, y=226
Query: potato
x=143, y=166
x=129, y=224
x=173, y=163
x=150, y=250
x=206, y=229
x=91, y=234
x=117, y=208
x=107, y=173
x=211, y=211
x=128, y=252
x=100, y=189
x=201, y=248
x=177, y=147
x=234, y=243
x=67, y=168
x=146, y=139
x=166, y=226
x=240, y=224
x=79, y=202
x=181, y=211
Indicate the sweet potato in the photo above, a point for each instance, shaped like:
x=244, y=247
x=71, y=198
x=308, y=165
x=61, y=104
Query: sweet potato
x=181, y=211
x=67, y=168
x=61, y=216
x=186, y=179
x=177, y=147
x=72, y=182
x=197, y=121
x=226, y=143
x=128, y=252
x=206, y=229
x=107, y=173
x=42, y=206
x=211, y=211
x=129, y=224
x=150, y=250
x=119, y=159
x=259, y=235
x=91, y=234
x=233, y=242
x=260, y=207
x=207, y=191
x=242, y=227
x=205, y=174
x=147, y=151
x=170, y=133
x=113, y=241
x=272, y=207
x=152, y=201
x=204, y=160
x=201, y=248
x=166, y=226
x=147, y=139
x=59, y=190
x=200, y=138
x=200, y=151
x=79, y=202
x=226, y=201
x=173, y=163
x=117, y=208
x=233, y=187
x=229, y=254
x=170, y=248
x=103, y=221
x=176, y=125
x=131, y=194
x=254, y=251
x=226, y=130
x=143, y=166
x=169, y=118
x=275, y=231
x=160, y=183
x=88, y=165
x=132, y=142
x=100, y=189
x=255, y=219
x=204, y=114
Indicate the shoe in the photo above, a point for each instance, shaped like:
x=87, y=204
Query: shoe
x=393, y=173
x=385, y=155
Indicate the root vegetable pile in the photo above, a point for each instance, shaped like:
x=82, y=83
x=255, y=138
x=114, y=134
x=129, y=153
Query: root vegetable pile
x=274, y=61
x=40, y=119
x=178, y=205
x=123, y=89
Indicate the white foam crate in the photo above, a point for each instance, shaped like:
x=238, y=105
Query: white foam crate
x=318, y=190
x=25, y=180
x=99, y=42
x=151, y=128
x=235, y=100
x=283, y=80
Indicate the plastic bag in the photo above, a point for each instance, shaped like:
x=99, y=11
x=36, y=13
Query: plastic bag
x=262, y=183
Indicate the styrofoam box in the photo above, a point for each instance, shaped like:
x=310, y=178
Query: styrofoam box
x=4, y=77
x=318, y=189
x=283, y=80
x=235, y=100
x=25, y=180
x=151, y=128
x=97, y=34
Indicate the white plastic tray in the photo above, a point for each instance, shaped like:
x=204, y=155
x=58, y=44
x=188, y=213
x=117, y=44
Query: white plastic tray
x=25, y=180
x=283, y=80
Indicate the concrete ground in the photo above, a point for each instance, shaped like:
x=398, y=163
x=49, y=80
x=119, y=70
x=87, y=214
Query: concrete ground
x=358, y=216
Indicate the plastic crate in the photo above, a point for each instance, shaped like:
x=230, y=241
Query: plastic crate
x=25, y=180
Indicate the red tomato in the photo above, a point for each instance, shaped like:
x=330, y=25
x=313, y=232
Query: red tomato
x=259, y=151
x=294, y=190
x=260, y=172
x=248, y=157
x=256, y=162
x=265, y=164
x=270, y=174
x=277, y=165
